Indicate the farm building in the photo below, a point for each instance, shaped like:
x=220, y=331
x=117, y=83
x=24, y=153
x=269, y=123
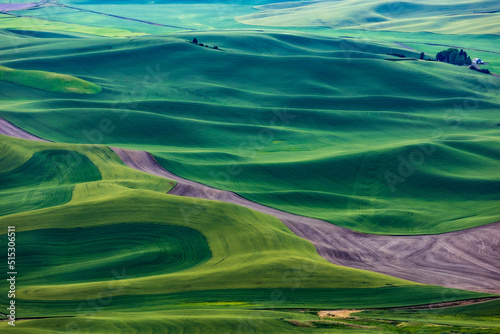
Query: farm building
x=477, y=61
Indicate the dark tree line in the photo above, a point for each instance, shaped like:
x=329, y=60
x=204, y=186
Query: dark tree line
x=453, y=56
x=195, y=41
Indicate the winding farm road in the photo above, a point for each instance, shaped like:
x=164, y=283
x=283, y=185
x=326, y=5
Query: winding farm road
x=121, y=17
x=467, y=259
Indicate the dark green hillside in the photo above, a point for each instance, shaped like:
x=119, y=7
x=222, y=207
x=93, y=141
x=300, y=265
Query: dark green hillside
x=180, y=150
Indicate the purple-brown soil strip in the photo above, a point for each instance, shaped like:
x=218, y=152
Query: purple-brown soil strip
x=9, y=129
x=6, y=7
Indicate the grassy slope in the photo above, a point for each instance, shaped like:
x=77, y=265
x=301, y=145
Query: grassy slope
x=243, y=321
x=192, y=16
x=49, y=81
x=429, y=43
x=150, y=205
x=169, y=253
x=92, y=21
x=479, y=318
x=151, y=250
x=468, y=24
x=44, y=25
x=482, y=318
x=48, y=186
x=185, y=321
x=471, y=17
x=55, y=171
x=352, y=117
x=205, y=311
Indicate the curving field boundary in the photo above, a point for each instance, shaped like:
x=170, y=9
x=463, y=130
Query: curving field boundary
x=466, y=259
x=9, y=129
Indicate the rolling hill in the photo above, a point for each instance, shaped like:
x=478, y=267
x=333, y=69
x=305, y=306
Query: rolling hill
x=298, y=169
x=52, y=82
x=122, y=237
x=330, y=134
x=470, y=17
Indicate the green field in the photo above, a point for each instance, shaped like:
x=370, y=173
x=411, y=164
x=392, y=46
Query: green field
x=283, y=145
x=322, y=109
x=52, y=82
x=448, y=17
x=53, y=188
x=123, y=239
x=43, y=27
x=479, y=318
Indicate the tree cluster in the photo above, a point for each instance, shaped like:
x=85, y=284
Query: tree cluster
x=195, y=41
x=453, y=56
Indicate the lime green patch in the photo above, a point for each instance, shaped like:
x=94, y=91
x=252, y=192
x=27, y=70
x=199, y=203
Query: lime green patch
x=48, y=81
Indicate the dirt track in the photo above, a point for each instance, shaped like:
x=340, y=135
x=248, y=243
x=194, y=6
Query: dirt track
x=467, y=259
